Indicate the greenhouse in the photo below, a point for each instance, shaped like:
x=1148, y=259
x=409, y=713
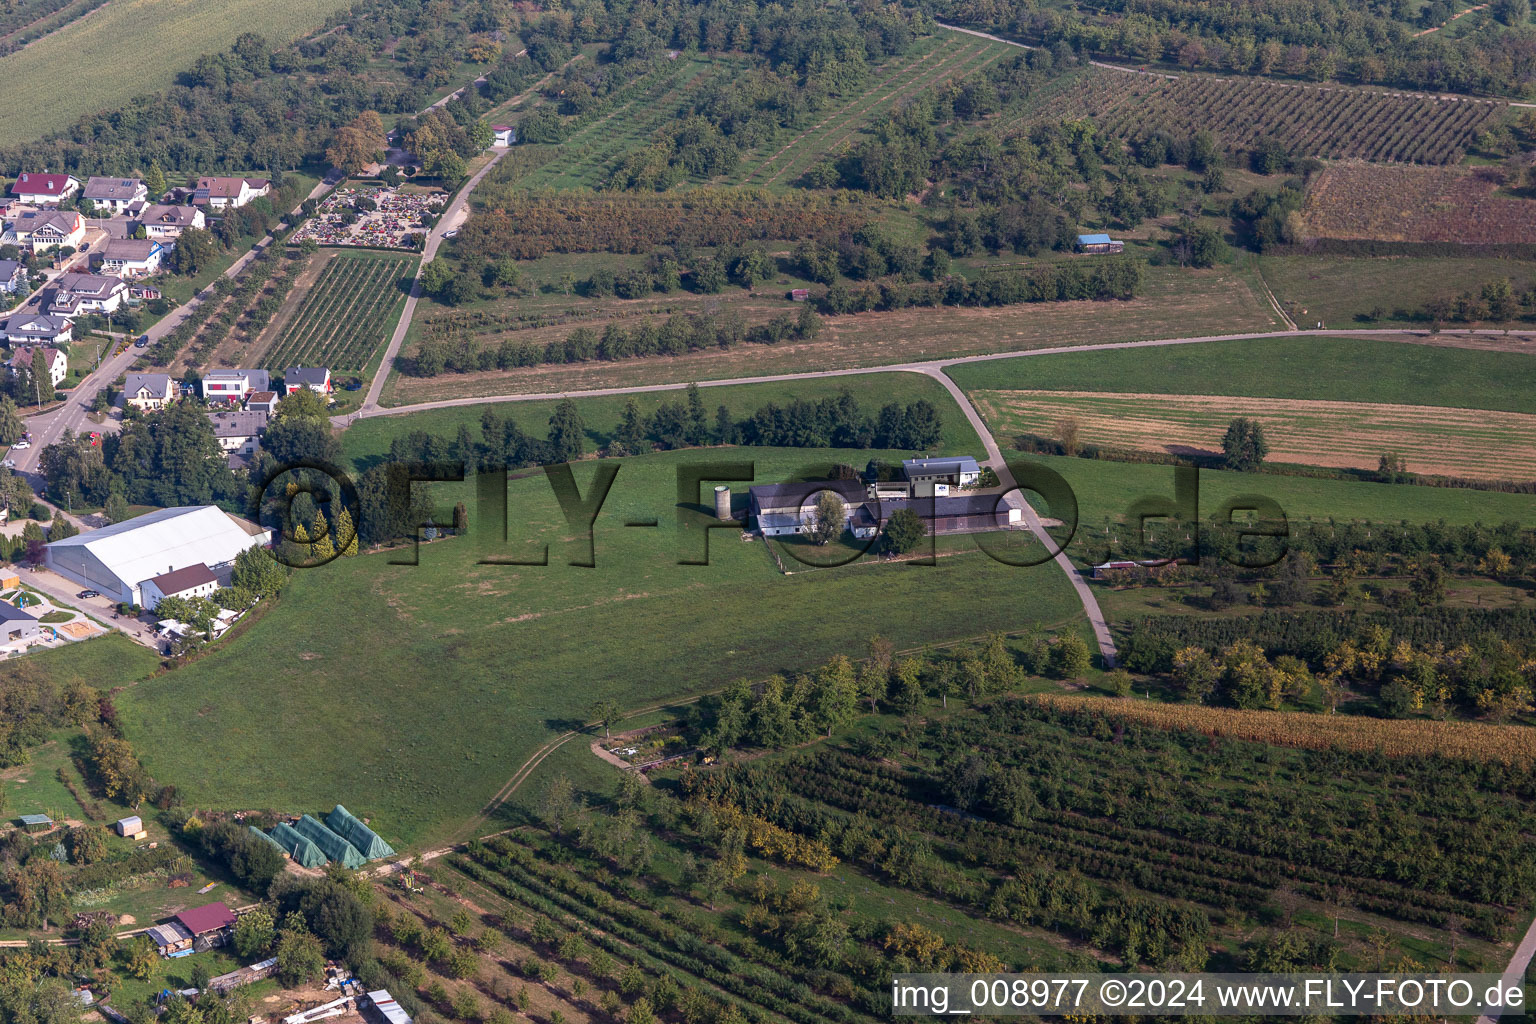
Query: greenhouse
x=345, y=824
x=337, y=849
x=302, y=850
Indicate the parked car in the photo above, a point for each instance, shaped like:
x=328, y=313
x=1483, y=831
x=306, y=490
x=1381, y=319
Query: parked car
x=85, y=246
x=142, y=342
x=88, y=593
x=9, y=463
x=22, y=444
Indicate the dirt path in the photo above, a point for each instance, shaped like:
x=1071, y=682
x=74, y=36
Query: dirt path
x=1452, y=18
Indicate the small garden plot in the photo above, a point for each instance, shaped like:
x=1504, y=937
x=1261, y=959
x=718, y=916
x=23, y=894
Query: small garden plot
x=345, y=316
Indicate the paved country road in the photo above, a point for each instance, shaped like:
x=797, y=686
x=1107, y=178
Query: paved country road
x=452, y=217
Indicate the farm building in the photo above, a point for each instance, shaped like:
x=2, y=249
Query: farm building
x=335, y=848
x=119, y=559
x=209, y=925
x=785, y=509
x=363, y=838
x=304, y=852
x=193, y=581
x=1099, y=244
x=941, y=474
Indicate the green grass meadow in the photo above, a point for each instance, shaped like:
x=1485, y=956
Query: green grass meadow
x=367, y=441
x=1303, y=368
x=413, y=693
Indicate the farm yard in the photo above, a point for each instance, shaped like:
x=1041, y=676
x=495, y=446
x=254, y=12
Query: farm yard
x=947, y=56
x=1450, y=442
x=1359, y=201
x=105, y=55
x=395, y=219
x=345, y=315
x=1332, y=121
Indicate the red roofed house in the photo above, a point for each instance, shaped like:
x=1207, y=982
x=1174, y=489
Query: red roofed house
x=193, y=581
x=503, y=135
x=209, y=924
x=56, y=361
x=217, y=193
x=44, y=189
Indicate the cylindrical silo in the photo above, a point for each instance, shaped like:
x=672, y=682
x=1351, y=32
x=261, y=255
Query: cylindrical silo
x=723, y=503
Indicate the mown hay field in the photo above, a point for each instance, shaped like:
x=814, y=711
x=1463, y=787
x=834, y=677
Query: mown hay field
x=131, y=47
x=1359, y=201
x=1471, y=741
x=1440, y=441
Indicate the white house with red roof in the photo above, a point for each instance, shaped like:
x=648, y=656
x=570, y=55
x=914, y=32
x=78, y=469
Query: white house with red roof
x=44, y=189
x=218, y=193
x=503, y=135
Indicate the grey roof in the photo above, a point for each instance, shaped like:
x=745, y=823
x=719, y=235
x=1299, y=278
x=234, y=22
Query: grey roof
x=956, y=505
x=8, y=269
x=953, y=465
x=851, y=490
x=37, y=325
x=304, y=375
x=158, y=384
x=35, y=220
x=259, y=380
x=176, y=216
x=90, y=285
x=35, y=819
x=10, y=613
x=238, y=423
x=112, y=188
x=130, y=248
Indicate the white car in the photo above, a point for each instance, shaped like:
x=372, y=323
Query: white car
x=21, y=444
x=9, y=463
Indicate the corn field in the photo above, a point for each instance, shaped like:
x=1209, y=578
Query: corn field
x=1470, y=741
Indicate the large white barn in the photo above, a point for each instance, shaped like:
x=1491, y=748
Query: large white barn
x=117, y=560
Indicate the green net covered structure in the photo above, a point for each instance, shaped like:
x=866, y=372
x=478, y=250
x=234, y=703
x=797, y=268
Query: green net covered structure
x=367, y=842
x=337, y=849
x=267, y=838
x=301, y=849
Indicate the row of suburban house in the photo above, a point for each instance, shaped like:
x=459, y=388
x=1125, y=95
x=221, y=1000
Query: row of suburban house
x=42, y=230
x=122, y=195
x=241, y=401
